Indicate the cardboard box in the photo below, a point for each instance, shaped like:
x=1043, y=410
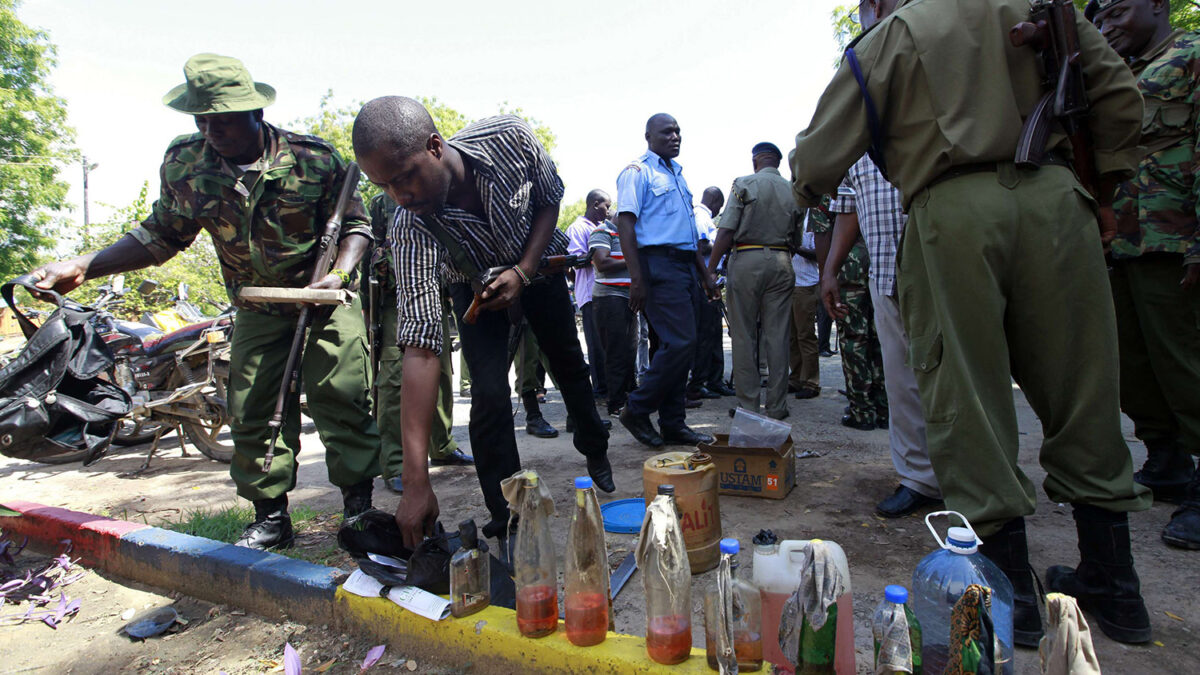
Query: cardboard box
x=753, y=472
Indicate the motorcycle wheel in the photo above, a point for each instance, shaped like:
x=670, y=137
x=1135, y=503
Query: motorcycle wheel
x=206, y=432
x=128, y=433
x=68, y=457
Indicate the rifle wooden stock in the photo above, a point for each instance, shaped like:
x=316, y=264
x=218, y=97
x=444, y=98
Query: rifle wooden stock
x=547, y=266
x=291, y=372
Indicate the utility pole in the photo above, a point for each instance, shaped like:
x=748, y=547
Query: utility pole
x=86, y=169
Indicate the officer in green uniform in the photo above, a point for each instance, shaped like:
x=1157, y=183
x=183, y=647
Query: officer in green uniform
x=758, y=224
x=263, y=194
x=998, y=273
x=1156, y=256
x=443, y=449
x=862, y=358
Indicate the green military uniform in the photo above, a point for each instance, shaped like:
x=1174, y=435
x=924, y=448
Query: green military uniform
x=264, y=222
x=999, y=267
x=862, y=358
x=391, y=358
x=763, y=216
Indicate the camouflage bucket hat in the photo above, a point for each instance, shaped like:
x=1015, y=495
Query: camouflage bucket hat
x=218, y=84
x=1094, y=7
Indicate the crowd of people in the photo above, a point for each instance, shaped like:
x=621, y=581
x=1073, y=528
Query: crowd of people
x=951, y=269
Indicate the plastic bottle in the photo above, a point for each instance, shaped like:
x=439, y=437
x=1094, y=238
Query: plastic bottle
x=745, y=616
x=535, y=571
x=777, y=573
x=939, y=581
x=586, y=581
x=901, y=647
x=666, y=582
x=470, y=573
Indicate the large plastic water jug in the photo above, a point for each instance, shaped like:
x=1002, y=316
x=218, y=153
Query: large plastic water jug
x=777, y=570
x=940, y=580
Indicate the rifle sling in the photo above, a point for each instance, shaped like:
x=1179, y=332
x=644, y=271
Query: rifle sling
x=875, y=151
x=457, y=254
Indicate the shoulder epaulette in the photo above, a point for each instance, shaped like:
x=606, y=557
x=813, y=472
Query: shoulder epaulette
x=305, y=139
x=635, y=166
x=186, y=139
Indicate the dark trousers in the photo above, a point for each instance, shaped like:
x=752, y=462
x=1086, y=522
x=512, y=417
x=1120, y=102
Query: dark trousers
x=824, y=326
x=551, y=317
x=672, y=309
x=595, y=348
x=708, y=336
x=617, y=330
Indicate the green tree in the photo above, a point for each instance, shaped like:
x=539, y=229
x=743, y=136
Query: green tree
x=35, y=141
x=845, y=26
x=567, y=213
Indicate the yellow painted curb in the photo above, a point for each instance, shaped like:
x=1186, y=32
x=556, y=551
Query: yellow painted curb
x=489, y=639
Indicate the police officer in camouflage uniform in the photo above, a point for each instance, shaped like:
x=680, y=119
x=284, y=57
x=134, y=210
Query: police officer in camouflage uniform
x=1156, y=256
x=998, y=272
x=263, y=194
x=862, y=359
x=443, y=449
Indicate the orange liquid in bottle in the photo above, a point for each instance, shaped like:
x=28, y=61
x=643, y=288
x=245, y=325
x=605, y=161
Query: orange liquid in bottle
x=669, y=639
x=537, y=611
x=587, y=619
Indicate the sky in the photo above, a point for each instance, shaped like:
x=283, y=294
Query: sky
x=732, y=74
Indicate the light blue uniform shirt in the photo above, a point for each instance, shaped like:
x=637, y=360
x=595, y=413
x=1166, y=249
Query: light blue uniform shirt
x=654, y=190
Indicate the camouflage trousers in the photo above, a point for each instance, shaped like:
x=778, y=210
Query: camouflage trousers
x=862, y=359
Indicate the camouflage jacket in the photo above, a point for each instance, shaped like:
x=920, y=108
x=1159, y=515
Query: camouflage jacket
x=857, y=266
x=1157, y=209
x=265, y=223
x=381, y=210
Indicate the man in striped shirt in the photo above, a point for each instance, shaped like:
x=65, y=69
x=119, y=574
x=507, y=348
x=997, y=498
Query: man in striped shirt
x=487, y=198
x=614, y=319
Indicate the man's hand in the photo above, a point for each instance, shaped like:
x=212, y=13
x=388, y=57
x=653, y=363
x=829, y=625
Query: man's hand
x=831, y=296
x=63, y=276
x=330, y=281
x=416, y=513
x=502, y=292
x=710, y=286
x=637, y=295
x=1108, y=225
x=1191, y=275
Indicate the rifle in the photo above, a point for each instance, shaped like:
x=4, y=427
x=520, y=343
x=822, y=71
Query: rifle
x=371, y=272
x=1051, y=31
x=291, y=372
x=548, y=266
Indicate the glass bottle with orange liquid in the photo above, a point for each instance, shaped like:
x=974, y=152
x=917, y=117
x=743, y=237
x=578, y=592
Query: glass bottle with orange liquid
x=585, y=583
x=741, y=620
x=535, y=572
x=667, y=583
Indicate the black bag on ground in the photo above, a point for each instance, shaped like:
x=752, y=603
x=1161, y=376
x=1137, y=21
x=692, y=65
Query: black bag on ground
x=52, y=401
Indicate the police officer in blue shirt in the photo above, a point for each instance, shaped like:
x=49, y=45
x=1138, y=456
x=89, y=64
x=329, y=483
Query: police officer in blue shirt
x=658, y=235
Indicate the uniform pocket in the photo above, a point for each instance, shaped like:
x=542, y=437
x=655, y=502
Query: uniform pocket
x=925, y=353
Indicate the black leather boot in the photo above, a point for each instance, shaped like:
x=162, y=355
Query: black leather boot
x=1167, y=470
x=272, y=526
x=1009, y=549
x=356, y=499
x=1184, y=529
x=1105, y=583
x=535, y=424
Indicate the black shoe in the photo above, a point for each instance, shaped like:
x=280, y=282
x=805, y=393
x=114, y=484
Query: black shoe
x=614, y=412
x=272, y=526
x=1184, y=529
x=601, y=472
x=456, y=458
x=904, y=501
x=607, y=424
x=808, y=392
x=685, y=436
x=693, y=395
x=641, y=428
x=861, y=425
x=394, y=485
x=705, y=392
x=722, y=389
x=1105, y=583
x=1167, y=471
x=538, y=426
x=465, y=392
x=356, y=499
x=1009, y=549
x=825, y=352
x=881, y=422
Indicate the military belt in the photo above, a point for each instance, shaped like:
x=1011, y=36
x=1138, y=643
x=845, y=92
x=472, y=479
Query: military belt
x=1051, y=159
x=682, y=255
x=765, y=247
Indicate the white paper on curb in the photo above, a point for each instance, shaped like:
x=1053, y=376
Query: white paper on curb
x=413, y=599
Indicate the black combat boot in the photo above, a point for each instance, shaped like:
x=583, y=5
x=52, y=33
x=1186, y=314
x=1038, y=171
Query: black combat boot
x=1009, y=549
x=1184, y=529
x=1167, y=470
x=1105, y=583
x=535, y=424
x=356, y=499
x=272, y=526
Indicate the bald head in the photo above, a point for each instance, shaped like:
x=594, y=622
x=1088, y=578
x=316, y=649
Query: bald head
x=395, y=123
x=662, y=135
x=597, y=202
x=713, y=198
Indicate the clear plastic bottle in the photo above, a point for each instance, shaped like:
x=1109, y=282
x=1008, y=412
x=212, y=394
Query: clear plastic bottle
x=745, y=616
x=470, y=573
x=897, y=634
x=940, y=580
x=667, y=583
x=585, y=583
x=535, y=571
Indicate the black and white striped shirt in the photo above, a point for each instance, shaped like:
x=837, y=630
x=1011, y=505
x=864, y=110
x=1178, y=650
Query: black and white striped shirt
x=515, y=178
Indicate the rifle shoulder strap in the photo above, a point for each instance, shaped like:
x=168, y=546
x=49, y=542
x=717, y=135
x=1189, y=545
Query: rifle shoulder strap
x=455, y=249
x=875, y=151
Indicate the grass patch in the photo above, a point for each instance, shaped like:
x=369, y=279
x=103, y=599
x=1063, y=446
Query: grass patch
x=227, y=524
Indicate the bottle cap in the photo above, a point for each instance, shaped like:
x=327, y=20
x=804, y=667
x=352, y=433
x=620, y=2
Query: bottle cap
x=468, y=534
x=730, y=546
x=961, y=540
x=583, y=482
x=896, y=594
x=765, y=538
x=666, y=489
